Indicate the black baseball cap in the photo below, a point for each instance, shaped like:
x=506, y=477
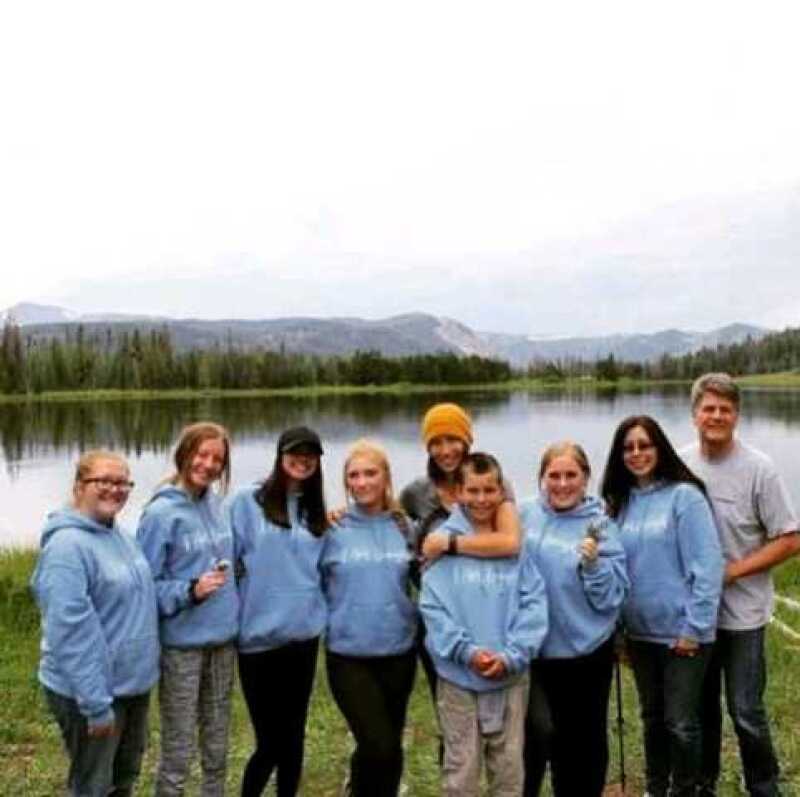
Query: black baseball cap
x=299, y=437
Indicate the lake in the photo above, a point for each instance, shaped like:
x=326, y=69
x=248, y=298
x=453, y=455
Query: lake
x=41, y=441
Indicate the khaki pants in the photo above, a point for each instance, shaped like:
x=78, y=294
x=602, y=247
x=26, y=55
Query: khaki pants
x=465, y=747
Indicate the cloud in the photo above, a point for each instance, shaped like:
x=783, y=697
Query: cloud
x=374, y=145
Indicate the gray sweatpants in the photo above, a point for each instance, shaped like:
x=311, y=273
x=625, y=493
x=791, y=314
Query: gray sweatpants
x=194, y=694
x=465, y=746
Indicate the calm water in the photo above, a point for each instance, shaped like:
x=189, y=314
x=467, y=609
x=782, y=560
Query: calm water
x=40, y=442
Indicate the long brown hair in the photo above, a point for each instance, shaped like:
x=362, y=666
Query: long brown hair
x=618, y=480
x=189, y=442
x=272, y=496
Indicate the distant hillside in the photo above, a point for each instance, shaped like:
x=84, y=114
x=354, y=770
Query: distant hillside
x=397, y=336
x=413, y=333
x=28, y=314
x=520, y=350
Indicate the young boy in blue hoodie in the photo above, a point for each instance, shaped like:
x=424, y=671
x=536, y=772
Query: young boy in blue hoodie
x=485, y=620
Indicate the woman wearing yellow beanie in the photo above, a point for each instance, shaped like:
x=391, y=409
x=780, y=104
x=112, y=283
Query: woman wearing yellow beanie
x=447, y=434
x=446, y=431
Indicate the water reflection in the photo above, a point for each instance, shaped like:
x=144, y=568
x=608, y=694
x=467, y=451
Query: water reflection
x=37, y=429
x=40, y=441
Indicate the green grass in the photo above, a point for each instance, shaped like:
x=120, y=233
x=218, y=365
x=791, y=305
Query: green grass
x=788, y=379
x=782, y=379
x=399, y=388
x=34, y=765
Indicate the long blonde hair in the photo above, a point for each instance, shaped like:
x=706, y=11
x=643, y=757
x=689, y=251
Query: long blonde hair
x=364, y=447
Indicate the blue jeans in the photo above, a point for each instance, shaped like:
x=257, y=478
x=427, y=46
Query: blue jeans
x=740, y=656
x=108, y=765
x=670, y=691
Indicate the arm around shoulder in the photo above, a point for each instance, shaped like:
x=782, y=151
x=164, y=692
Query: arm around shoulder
x=505, y=541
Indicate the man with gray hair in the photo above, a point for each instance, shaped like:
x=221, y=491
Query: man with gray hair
x=758, y=530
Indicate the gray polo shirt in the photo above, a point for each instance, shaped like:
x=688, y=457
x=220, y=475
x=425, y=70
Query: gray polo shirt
x=751, y=506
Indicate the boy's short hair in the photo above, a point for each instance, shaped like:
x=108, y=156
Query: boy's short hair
x=479, y=463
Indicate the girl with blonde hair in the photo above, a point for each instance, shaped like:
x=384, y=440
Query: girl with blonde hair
x=372, y=621
x=99, y=630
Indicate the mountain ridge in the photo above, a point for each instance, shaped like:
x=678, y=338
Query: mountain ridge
x=404, y=334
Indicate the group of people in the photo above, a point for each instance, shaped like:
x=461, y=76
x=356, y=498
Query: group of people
x=514, y=608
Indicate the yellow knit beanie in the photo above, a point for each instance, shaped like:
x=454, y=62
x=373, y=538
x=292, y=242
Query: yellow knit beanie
x=447, y=419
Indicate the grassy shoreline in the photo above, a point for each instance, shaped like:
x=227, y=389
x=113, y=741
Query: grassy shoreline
x=779, y=380
x=33, y=763
x=399, y=388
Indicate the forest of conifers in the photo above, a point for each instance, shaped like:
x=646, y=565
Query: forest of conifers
x=777, y=352
x=136, y=361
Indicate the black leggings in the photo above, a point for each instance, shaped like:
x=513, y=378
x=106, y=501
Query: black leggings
x=574, y=718
x=372, y=694
x=277, y=687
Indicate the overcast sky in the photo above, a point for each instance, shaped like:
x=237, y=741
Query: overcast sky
x=554, y=168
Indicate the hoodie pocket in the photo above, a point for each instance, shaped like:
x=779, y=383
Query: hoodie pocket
x=135, y=665
x=283, y=616
x=382, y=627
x=655, y=610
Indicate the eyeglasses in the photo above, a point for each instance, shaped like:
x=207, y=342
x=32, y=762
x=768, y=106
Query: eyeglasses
x=110, y=484
x=633, y=448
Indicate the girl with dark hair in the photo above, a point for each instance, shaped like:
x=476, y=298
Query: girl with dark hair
x=189, y=547
x=675, y=568
x=576, y=548
x=446, y=431
x=279, y=528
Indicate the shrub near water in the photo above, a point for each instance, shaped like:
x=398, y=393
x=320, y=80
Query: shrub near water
x=33, y=763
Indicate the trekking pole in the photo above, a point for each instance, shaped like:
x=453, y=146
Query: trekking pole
x=620, y=725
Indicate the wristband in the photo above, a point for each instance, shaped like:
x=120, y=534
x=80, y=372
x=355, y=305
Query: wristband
x=452, y=544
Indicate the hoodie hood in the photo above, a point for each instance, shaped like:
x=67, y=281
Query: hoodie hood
x=674, y=563
x=279, y=582
x=583, y=601
x=458, y=522
x=588, y=507
x=99, y=616
x=355, y=515
x=70, y=518
x=183, y=537
x=470, y=603
x=365, y=567
x=177, y=495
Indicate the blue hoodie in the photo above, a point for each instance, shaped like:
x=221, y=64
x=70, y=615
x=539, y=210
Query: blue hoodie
x=584, y=602
x=99, y=614
x=470, y=604
x=365, y=569
x=674, y=563
x=182, y=538
x=280, y=588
